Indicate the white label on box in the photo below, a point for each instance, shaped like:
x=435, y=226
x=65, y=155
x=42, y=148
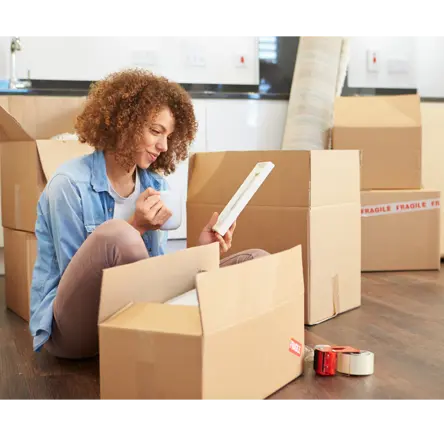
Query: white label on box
x=295, y=347
x=400, y=207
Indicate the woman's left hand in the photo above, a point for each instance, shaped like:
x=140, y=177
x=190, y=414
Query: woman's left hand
x=208, y=236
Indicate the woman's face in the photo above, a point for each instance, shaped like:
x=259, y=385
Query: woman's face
x=155, y=138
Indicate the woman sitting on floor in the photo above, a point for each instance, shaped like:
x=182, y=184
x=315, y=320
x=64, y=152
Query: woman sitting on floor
x=104, y=209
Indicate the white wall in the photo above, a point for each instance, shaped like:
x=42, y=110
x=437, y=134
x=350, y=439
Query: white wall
x=182, y=59
x=4, y=57
x=387, y=49
x=423, y=55
x=390, y=47
x=430, y=62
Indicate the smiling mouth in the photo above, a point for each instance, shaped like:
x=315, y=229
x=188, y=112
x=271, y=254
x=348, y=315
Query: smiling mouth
x=153, y=157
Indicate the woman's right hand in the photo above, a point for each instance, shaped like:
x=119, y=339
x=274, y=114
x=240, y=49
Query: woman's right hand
x=151, y=213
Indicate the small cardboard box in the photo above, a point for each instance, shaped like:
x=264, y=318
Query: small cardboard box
x=245, y=340
x=387, y=130
x=28, y=160
x=20, y=254
x=311, y=198
x=400, y=230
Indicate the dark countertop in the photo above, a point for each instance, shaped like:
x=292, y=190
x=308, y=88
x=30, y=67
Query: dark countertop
x=265, y=91
x=196, y=91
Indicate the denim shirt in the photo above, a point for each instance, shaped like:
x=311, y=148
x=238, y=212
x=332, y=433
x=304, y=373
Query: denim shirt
x=74, y=202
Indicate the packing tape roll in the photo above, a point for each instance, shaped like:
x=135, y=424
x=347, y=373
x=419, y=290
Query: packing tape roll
x=356, y=364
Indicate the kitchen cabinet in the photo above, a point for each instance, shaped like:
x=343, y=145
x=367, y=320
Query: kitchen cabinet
x=245, y=125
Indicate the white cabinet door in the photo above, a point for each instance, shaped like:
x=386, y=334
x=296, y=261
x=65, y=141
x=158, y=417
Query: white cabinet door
x=200, y=111
x=179, y=179
x=245, y=125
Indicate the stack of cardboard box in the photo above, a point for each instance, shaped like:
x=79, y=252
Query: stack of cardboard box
x=28, y=159
x=311, y=198
x=400, y=219
x=245, y=339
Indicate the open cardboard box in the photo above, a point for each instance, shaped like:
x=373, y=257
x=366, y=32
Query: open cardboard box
x=245, y=340
x=20, y=256
x=28, y=158
x=311, y=198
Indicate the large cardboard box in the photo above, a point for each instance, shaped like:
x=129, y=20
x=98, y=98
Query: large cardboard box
x=244, y=340
x=387, y=130
x=433, y=152
x=311, y=198
x=20, y=254
x=400, y=230
x=28, y=159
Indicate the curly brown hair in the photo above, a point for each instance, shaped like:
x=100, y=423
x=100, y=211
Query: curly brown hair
x=119, y=107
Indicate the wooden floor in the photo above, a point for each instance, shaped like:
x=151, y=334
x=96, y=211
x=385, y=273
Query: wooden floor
x=401, y=320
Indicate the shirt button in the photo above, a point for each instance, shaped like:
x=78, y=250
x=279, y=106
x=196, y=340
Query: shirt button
x=110, y=210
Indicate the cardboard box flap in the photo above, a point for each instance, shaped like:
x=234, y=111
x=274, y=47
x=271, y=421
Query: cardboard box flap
x=54, y=153
x=155, y=279
x=10, y=129
x=235, y=294
x=158, y=318
x=44, y=117
x=378, y=111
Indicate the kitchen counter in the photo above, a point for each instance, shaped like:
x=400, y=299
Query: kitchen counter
x=196, y=91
